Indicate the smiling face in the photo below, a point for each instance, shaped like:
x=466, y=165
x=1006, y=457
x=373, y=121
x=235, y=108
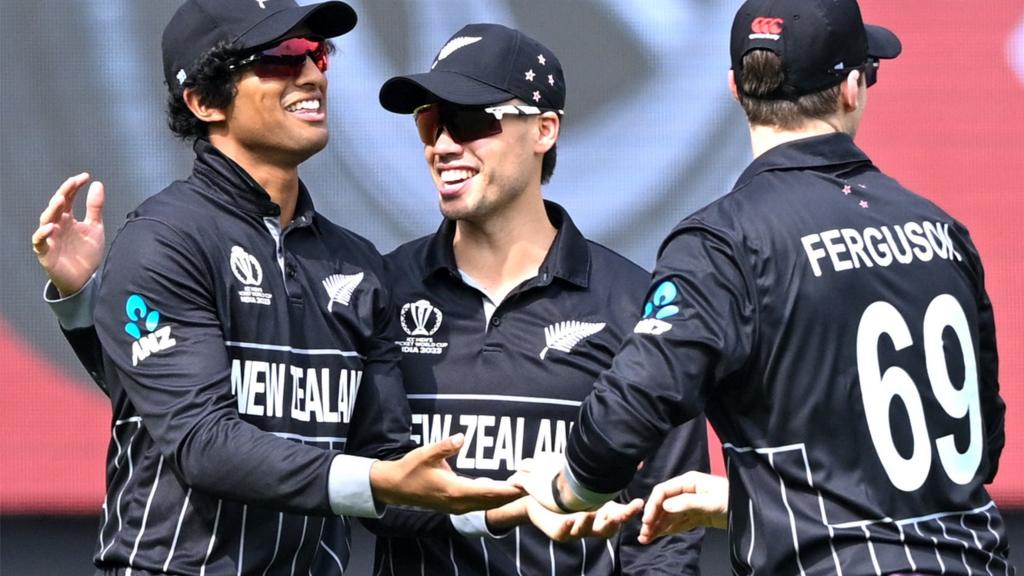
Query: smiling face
x=482, y=177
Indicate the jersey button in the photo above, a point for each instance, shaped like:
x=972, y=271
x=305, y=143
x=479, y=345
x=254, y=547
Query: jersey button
x=290, y=269
x=495, y=321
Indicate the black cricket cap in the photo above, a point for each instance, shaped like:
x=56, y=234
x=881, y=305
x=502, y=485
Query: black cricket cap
x=199, y=25
x=817, y=41
x=482, y=64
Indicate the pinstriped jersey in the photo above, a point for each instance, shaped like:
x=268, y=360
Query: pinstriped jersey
x=836, y=328
x=234, y=356
x=512, y=382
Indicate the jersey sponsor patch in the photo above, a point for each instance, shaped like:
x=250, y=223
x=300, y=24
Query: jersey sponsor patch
x=340, y=288
x=248, y=271
x=664, y=303
x=156, y=339
x=420, y=320
x=564, y=336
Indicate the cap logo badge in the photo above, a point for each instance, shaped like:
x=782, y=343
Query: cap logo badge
x=453, y=45
x=262, y=3
x=766, y=28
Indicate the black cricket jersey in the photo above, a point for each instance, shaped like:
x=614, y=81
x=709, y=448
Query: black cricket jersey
x=835, y=328
x=512, y=383
x=234, y=354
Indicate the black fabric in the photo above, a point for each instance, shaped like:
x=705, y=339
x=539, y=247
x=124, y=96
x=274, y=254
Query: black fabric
x=513, y=385
x=239, y=359
x=832, y=324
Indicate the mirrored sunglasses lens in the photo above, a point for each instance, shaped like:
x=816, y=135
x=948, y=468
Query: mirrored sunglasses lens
x=287, y=59
x=428, y=124
x=469, y=125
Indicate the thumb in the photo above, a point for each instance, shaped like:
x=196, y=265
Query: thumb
x=683, y=502
x=94, y=203
x=450, y=446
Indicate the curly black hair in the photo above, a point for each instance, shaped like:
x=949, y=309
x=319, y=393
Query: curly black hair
x=213, y=79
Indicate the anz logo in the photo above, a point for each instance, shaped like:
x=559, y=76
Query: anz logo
x=156, y=338
x=663, y=304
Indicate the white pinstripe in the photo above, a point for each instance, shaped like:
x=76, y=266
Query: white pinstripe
x=519, y=566
x=145, y=513
x=583, y=565
x=451, y=554
x=551, y=555
x=487, y=560
x=177, y=529
x=277, y=543
x=213, y=538
x=333, y=555
x=495, y=398
x=241, y=539
x=789, y=511
x=423, y=558
x=913, y=565
x=298, y=549
x=611, y=551
x=131, y=470
x=959, y=541
x=976, y=542
x=304, y=351
x=871, y=550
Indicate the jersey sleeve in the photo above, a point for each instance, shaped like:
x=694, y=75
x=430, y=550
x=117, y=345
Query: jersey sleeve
x=404, y=522
x=685, y=449
x=74, y=315
x=993, y=408
x=382, y=421
x=698, y=326
x=158, y=323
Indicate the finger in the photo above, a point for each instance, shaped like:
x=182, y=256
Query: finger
x=69, y=189
x=39, y=239
x=684, y=502
x=94, y=204
x=54, y=209
x=446, y=448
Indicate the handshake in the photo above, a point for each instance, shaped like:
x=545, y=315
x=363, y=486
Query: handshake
x=537, y=493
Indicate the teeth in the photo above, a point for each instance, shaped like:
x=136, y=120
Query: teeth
x=304, y=105
x=449, y=176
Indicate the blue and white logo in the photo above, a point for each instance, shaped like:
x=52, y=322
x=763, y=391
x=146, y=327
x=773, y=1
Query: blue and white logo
x=663, y=304
x=155, y=339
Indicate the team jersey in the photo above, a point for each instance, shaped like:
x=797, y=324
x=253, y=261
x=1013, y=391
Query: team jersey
x=240, y=359
x=835, y=328
x=512, y=381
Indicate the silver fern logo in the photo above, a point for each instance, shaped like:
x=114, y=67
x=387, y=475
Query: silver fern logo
x=340, y=288
x=453, y=45
x=565, y=335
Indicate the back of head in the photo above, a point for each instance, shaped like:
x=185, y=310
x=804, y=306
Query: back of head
x=204, y=37
x=790, y=56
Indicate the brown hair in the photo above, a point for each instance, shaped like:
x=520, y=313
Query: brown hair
x=762, y=75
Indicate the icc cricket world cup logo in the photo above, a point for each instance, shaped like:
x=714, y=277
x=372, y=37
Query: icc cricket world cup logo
x=424, y=318
x=245, y=267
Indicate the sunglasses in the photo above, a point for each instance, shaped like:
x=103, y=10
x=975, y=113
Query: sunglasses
x=286, y=59
x=870, y=68
x=465, y=124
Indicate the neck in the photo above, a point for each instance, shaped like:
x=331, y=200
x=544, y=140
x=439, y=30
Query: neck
x=502, y=251
x=279, y=179
x=764, y=138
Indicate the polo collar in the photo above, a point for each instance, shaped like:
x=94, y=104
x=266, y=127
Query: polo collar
x=814, y=152
x=568, y=258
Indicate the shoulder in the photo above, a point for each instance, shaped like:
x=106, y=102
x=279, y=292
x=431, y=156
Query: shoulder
x=609, y=265
x=409, y=258
x=348, y=245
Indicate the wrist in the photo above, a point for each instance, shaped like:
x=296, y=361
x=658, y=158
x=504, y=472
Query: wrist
x=382, y=481
x=504, y=518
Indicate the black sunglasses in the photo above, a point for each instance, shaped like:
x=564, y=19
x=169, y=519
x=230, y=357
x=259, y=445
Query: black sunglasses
x=465, y=124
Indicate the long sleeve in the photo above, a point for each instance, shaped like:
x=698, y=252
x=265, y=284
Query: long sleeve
x=697, y=327
x=158, y=323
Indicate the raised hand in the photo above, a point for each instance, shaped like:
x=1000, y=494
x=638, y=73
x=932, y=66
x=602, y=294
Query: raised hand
x=688, y=501
x=423, y=478
x=601, y=523
x=70, y=250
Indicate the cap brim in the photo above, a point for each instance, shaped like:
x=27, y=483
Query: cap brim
x=882, y=42
x=403, y=94
x=327, y=19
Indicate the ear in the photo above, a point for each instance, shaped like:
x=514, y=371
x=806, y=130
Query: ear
x=200, y=110
x=547, y=132
x=732, y=86
x=849, y=93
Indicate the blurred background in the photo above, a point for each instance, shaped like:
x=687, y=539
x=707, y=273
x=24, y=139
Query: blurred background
x=650, y=135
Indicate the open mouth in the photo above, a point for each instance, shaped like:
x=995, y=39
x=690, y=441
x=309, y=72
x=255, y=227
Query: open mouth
x=456, y=177
x=310, y=108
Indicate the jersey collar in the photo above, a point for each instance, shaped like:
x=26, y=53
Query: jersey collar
x=568, y=258
x=816, y=151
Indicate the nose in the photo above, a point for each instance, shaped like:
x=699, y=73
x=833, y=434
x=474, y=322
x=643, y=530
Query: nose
x=445, y=145
x=311, y=73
